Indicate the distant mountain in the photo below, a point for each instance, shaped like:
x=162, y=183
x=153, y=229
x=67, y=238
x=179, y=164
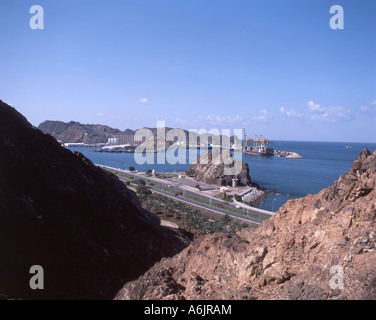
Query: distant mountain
x=75, y=132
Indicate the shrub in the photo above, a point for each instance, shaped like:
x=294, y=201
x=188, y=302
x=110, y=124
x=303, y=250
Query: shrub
x=142, y=190
x=132, y=168
x=140, y=182
x=238, y=198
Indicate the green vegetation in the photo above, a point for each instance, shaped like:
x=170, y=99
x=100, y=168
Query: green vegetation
x=238, y=198
x=164, y=188
x=142, y=190
x=227, y=197
x=165, y=175
x=193, y=220
x=132, y=169
x=190, y=173
x=195, y=198
x=140, y=182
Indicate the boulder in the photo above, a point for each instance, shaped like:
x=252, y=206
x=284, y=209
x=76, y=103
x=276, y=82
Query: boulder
x=210, y=168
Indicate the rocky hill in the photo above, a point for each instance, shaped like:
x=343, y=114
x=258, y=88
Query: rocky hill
x=80, y=223
x=322, y=246
x=75, y=132
x=210, y=169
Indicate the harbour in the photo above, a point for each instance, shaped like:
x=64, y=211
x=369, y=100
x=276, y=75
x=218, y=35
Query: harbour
x=259, y=146
x=284, y=178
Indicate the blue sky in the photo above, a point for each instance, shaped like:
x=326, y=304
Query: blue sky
x=273, y=67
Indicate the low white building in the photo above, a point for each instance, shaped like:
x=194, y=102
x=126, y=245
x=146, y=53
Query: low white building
x=113, y=142
x=74, y=144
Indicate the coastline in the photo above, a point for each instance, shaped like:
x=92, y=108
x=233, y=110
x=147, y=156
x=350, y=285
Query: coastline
x=283, y=179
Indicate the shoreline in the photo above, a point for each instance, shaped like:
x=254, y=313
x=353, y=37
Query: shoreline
x=252, y=195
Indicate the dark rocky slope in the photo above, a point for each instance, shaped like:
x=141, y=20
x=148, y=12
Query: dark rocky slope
x=297, y=254
x=80, y=223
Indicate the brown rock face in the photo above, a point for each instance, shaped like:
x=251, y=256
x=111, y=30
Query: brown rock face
x=322, y=246
x=80, y=223
x=210, y=169
x=75, y=132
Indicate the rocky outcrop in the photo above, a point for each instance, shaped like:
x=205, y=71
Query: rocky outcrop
x=80, y=223
x=254, y=196
x=322, y=246
x=211, y=170
x=75, y=132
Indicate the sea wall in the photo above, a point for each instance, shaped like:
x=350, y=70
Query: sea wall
x=254, y=196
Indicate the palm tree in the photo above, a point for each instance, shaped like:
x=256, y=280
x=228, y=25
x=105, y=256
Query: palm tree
x=236, y=226
x=224, y=221
x=157, y=207
x=147, y=205
x=153, y=207
x=172, y=208
x=196, y=220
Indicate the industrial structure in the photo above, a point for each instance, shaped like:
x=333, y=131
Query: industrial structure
x=256, y=146
x=124, y=138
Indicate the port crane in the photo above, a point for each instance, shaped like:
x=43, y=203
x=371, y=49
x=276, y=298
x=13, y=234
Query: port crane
x=257, y=145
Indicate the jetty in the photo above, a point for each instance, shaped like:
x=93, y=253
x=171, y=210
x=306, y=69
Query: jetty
x=259, y=146
x=287, y=154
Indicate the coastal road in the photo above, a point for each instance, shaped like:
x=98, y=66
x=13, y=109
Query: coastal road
x=210, y=207
x=201, y=205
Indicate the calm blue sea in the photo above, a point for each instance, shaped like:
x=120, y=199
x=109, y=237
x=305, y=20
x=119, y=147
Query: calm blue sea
x=323, y=163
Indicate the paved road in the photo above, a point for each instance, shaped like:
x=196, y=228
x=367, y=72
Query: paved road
x=253, y=211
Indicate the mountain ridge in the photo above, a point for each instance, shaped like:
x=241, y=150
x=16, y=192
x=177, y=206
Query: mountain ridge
x=75, y=132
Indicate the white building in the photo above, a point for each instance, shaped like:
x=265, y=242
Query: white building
x=74, y=145
x=113, y=142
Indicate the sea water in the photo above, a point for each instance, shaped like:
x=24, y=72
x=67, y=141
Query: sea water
x=322, y=164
